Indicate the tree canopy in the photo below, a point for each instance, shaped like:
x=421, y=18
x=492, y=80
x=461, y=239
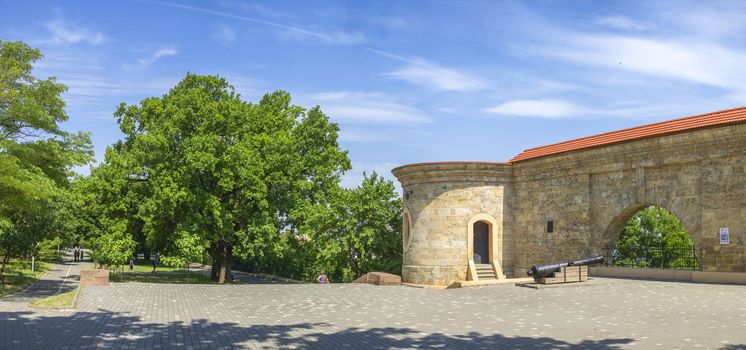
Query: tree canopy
x=198, y=170
x=36, y=154
x=246, y=181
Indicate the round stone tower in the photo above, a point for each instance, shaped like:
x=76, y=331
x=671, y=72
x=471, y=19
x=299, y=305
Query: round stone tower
x=456, y=221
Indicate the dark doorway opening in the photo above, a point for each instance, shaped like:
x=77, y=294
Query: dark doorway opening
x=481, y=243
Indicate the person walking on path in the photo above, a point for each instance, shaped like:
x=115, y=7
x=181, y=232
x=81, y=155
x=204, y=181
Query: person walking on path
x=155, y=261
x=323, y=279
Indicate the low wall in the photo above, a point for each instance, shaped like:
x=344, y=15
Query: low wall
x=670, y=275
x=97, y=277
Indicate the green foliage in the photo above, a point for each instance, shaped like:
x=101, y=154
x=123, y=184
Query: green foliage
x=200, y=168
x=227, y=171
x=48, y=249
x=654, y=237
x=18, y=275
x=358, y=231
x=187, y=247
x=113, y=249
x=36, y=156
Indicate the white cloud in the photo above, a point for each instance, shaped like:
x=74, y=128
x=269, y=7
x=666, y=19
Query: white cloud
x=340, y=38
x=419, y=71
x=368, y=108
x=697, y=62
x=162, y=52
x=430, y=75
x=225, y=35
x=344, y=38
x=537, y=108
x=624, y=23
x=69, y=33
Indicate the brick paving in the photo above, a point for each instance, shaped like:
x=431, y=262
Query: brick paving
x=604, y=314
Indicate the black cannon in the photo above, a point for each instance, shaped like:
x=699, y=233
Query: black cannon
x=540, y=271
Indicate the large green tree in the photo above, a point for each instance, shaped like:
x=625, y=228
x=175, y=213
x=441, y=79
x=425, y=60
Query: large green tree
x=36, y=155
x=225, y=170
x=358, y=232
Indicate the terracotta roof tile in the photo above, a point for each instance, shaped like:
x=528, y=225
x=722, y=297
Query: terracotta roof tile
x=729, y=116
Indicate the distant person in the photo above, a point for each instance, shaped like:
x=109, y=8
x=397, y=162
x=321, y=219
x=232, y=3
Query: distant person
x=81, y=255
x=76, y=253
x=155, y=262
x=132, y=264
x=323, y=279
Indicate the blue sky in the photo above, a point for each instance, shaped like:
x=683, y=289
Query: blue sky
x=408, y=81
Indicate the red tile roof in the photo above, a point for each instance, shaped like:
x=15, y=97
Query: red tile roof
x=721, y=118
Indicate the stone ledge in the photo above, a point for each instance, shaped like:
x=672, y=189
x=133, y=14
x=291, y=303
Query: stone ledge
x=670, y=275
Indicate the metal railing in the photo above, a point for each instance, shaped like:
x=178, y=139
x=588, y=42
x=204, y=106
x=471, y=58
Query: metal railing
x=683, y=257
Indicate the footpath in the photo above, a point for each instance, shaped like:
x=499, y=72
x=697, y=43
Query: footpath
x=62, y=277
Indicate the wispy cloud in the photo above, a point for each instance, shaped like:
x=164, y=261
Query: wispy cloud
x=703, y=63
x=333, y=38
x=158, y=54
x=537, y=108
x=421, y=72
x=63, y=32
x=390, y=23
x=368, y=108
x=624, y=23
x=225, y=35
x=255, y=8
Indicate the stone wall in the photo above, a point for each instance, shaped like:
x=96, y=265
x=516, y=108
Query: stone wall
x=589, y=195
x=700, y=176
x=441, y=198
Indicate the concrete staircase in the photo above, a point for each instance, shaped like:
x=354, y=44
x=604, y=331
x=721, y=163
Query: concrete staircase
x=485, y=272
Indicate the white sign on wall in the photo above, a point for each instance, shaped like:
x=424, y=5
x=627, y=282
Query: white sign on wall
x=724, y=236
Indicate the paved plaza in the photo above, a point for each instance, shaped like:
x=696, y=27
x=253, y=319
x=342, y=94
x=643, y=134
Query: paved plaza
x=604, y=314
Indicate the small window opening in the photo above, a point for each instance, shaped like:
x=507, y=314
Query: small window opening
x=550, y=226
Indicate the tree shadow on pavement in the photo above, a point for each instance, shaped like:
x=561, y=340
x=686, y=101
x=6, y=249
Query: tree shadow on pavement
x=110, y=330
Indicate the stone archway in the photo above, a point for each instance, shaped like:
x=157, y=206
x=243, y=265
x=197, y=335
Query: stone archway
x=612, y=235
x=478, y=227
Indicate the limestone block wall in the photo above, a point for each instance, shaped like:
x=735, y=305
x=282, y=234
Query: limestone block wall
x=440, y=199
x=590, y=194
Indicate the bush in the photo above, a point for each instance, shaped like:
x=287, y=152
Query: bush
x=113, y=249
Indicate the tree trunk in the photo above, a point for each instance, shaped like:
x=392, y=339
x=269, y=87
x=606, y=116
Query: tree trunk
x=6, y=260
x=221, y=252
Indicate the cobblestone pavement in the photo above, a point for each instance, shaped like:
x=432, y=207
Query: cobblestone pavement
x=603, y=314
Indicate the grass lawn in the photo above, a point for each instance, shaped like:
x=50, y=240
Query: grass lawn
x=59, y=301
x=142, y=272
x=18, y=276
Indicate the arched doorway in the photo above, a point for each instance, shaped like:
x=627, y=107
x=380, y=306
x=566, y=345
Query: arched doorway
x=652, y=237
x=481, y=242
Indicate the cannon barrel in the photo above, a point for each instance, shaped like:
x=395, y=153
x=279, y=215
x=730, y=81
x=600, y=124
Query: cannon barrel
x=588, y=261
x=540, y=271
